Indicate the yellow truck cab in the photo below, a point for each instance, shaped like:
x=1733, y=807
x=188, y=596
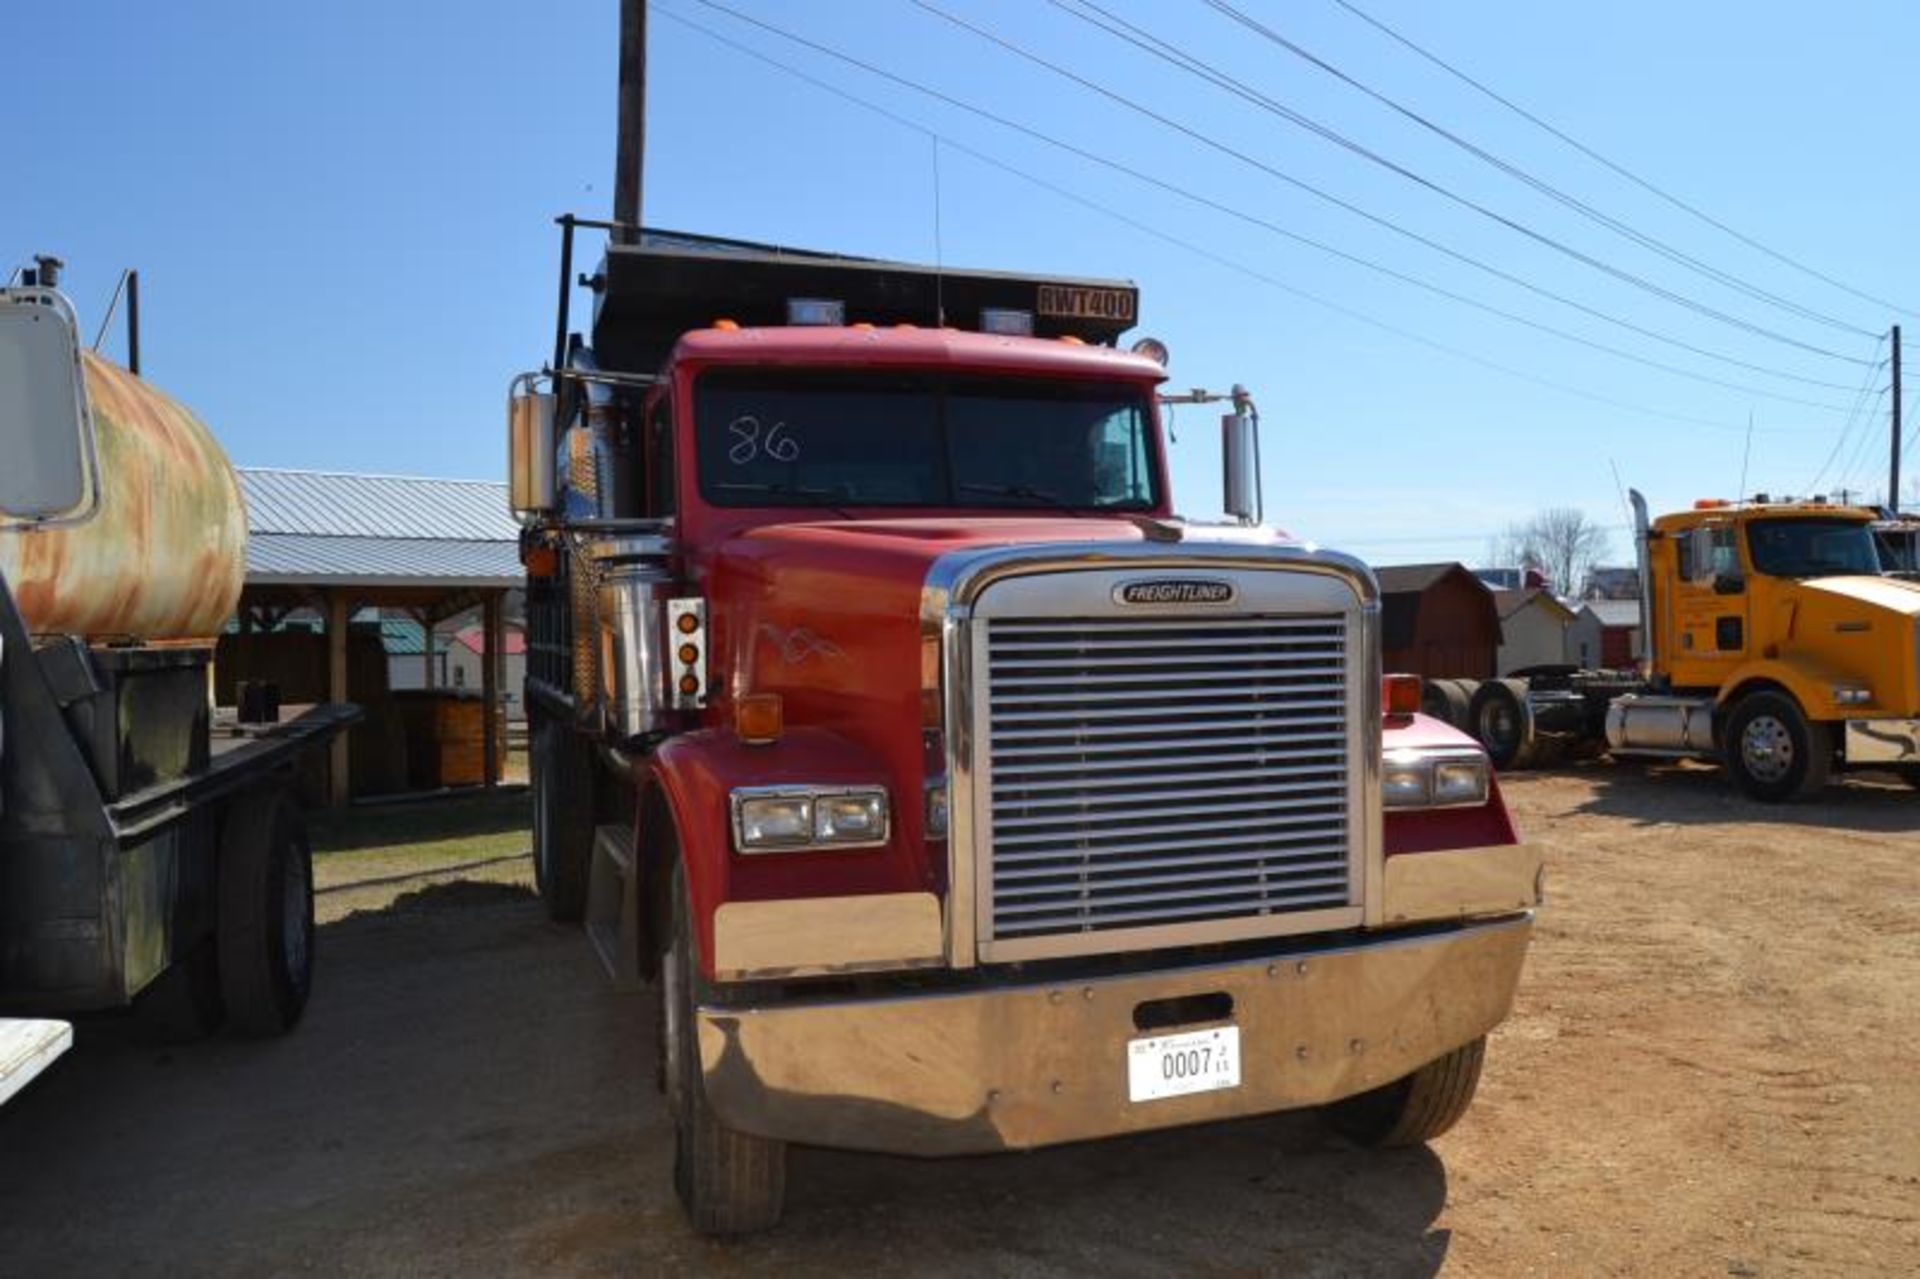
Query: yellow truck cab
x=1779, y=613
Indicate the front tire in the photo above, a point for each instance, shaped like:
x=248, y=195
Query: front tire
x=729, y=1183
x=1771, y=751
x=1414, y=1109
x=562, y=819
x=266, y=931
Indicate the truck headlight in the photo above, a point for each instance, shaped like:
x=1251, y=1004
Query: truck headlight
x=1449, y=778
x=1852, y=694
x=784, y=819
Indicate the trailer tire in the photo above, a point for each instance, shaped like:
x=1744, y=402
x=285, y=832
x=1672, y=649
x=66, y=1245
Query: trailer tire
x=1415, y=1108
x=729, y=1182
x=562, y=819
x=1772, y=751
x=1501, y=722
x=1445, y=700
x=266, y=933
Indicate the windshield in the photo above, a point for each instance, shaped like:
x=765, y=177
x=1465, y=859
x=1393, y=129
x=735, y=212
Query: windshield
x=906, y=440
x=1811, y=548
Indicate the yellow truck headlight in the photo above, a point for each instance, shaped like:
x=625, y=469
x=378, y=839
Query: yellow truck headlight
x=785, y=819
x=1453, y=777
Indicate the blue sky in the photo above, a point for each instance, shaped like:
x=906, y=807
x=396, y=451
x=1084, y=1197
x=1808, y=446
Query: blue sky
x=342, y=217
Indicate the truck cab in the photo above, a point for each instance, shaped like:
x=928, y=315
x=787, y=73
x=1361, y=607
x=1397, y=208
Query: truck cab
x=952, y=794
x=1779, y=613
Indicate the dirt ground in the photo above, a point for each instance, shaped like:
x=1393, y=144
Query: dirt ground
x=1711, y=1071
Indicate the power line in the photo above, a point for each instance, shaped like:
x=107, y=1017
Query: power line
x=1862, y=461
x=1348, y=144
x=1220, y=207
x=1846, y=427
x=1618, y=227
x=1143, y=227
x=1616, y=168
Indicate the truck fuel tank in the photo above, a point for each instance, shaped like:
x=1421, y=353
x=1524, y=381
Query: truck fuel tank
x=164, y=556
x=1660, y=725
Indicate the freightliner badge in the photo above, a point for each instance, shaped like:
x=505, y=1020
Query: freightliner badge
x=1174, y=590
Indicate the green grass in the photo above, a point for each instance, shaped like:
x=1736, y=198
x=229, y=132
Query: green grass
x=365, y=858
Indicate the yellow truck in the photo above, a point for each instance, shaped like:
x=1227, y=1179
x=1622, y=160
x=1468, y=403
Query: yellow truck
x=1772, y=642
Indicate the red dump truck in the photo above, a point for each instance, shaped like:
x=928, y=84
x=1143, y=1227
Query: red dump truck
x=142, y=855
x=953, y=794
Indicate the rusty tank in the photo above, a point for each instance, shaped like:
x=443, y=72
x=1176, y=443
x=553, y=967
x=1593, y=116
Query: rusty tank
x=164, y=557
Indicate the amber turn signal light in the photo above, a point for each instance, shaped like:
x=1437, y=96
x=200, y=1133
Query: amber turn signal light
x=758, y=718
x=1400, y=694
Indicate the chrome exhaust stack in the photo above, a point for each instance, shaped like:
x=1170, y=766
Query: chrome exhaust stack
x=1643, y=548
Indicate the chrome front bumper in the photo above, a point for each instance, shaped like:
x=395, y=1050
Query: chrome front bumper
x=1037, y=1065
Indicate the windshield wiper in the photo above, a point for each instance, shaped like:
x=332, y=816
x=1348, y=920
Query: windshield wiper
x=791, y=490
x=1026, y=492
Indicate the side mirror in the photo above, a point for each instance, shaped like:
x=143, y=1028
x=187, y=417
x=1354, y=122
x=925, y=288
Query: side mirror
x=1240, y=459
x=530, y=444
x=46, y=428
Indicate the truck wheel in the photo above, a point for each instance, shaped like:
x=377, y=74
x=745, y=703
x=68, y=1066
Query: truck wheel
x=730, y=1183
x=266, y=914
x=1772, y=752
x=1416, y=1108
x=1446, y=700
x=562, y=819
x=1500, y=720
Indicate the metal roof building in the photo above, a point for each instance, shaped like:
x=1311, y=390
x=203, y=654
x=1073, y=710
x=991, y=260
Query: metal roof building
x=321, y=527
x=338, y=543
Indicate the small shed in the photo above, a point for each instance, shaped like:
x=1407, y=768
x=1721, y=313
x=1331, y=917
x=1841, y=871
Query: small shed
x=1438, y=621
x=1620, y=644
x=1585, y=637
x=335, y=545
x=1533, y=629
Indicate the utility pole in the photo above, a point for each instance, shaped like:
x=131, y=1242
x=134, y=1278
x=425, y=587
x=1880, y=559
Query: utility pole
x=1893, y=467
x=630, y=144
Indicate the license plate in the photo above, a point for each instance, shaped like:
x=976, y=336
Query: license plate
x=1176, y=1065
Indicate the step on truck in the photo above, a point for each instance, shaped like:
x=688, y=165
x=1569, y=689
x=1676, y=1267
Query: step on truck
x=1773, y=640
x=144, y=858
x=951, y=793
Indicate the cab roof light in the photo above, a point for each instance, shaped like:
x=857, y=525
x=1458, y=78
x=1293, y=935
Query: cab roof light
x=1712, y=503
x=727, y=326
x=1006, y=322
x=816, y=311
x=1400, y=694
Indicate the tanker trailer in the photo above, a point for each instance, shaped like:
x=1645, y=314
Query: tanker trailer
x=135, y=846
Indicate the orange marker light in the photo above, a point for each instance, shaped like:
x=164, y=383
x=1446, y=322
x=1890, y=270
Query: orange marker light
x=758, y=718
x=540, y=561
x=1400, y=694
x=727, y=326
x=688, y=623
x=689, y=654
x=689, y=685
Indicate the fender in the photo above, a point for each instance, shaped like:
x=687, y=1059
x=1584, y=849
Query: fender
x=1811, y=686
x=697, y=772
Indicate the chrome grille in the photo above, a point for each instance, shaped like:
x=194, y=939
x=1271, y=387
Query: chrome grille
x=1147, y=772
